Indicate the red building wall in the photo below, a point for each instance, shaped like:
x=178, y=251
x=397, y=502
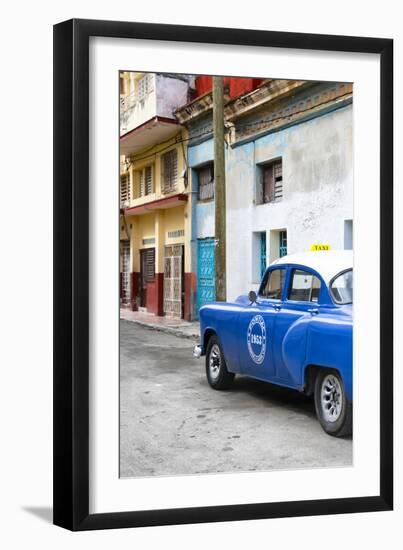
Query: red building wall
x=190, y=292
x=236, y=85
x=240, y=86
x=155, y=295
x=134, y=290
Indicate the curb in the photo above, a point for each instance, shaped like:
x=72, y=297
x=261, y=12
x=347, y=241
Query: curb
x=168, y=330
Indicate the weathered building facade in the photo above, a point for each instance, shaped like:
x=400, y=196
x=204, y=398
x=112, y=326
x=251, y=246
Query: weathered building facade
x=197, y=118
x=155, y=204
x=289, y=177
x=289, y=183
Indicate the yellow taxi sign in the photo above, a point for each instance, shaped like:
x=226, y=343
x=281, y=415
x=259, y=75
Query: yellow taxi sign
x=317, y=247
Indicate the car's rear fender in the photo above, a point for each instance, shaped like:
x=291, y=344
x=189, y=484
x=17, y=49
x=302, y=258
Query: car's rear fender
x=294, y=349
x=329, y=345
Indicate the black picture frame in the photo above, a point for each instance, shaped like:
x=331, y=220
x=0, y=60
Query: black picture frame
x=71, y=274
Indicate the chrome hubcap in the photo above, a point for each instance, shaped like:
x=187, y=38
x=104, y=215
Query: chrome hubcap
x=331, y=398
x=215, y=362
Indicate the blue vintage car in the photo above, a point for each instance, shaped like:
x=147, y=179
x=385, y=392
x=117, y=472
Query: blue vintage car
x=295, y=332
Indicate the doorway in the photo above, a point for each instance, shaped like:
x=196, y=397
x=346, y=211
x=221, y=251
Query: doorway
x=147, y=272
x=173, y=281
x=205, y=272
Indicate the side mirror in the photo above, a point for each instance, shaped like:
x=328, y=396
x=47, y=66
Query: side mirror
x=252, y=297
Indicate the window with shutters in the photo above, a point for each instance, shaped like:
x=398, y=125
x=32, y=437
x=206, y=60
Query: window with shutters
x=169, y=166
x=148, y=180
x=205, y=178
x=148, y=264
x=144, y=182
x=125, y=189
x=270, y=182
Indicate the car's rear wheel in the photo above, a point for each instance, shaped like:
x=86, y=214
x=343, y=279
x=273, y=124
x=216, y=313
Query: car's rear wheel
x=216, y=369
x=333, y=408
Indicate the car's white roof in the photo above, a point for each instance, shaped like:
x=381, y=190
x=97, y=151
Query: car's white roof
x=326, y=262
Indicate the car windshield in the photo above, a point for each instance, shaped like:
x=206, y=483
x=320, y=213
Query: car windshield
x=341, y=287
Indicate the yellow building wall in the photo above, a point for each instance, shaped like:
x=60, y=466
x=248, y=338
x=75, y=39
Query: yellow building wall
x=157, y=226
x=146, y=229
x=158, y=223
x=174, y=220
x=152, y=157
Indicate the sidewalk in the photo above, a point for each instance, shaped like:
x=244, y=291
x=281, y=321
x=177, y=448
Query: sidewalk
x=178, y=327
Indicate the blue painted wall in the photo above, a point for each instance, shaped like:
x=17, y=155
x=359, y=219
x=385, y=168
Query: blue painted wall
x=202, y=212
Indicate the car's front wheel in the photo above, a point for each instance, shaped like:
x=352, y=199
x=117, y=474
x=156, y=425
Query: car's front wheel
x=333, y=408
x=216, y=369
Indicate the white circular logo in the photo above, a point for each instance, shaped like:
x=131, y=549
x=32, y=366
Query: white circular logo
x=256, y=338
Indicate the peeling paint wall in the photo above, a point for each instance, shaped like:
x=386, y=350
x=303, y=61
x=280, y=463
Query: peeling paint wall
x=171, y=93
x=203, y=214
x=317, y=160
x=164, y=95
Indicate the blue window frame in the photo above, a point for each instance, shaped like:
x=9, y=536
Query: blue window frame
x=282, y=243
x=263, y=258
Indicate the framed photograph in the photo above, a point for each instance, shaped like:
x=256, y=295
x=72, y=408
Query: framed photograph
x=214, y=192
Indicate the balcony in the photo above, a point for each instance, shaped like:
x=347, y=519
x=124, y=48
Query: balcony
x=146, y=112
x=141, y=207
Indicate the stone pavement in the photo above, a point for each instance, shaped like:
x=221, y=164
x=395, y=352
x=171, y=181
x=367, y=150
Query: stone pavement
x=170, y=325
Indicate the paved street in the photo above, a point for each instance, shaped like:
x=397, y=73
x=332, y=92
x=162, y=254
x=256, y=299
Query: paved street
x=173, y=423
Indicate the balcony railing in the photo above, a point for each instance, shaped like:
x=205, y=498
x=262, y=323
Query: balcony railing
x=154, y=95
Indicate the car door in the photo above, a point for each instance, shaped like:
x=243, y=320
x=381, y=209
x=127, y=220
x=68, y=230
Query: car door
x=302, y=301
x=256, y=326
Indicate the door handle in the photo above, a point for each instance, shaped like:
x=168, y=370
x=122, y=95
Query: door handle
x=313, y=310
x=276, y=307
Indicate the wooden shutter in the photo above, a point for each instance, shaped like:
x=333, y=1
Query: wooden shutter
x=268, y=183
x=206, y=183
x=273, y=181
x=142, y=184
x=149, y=264
x=148, y=180
x=124, y=189
x=278, y=180
x=170, y=171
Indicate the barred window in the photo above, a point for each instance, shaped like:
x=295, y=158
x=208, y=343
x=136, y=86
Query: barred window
x=124, y=189
x=205, y=177
x=143, y=87
x=169, y=166
x=272, y=181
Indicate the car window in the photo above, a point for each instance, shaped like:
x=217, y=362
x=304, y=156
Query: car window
x=341, y=287
x=305, y=287
x=273, y=287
